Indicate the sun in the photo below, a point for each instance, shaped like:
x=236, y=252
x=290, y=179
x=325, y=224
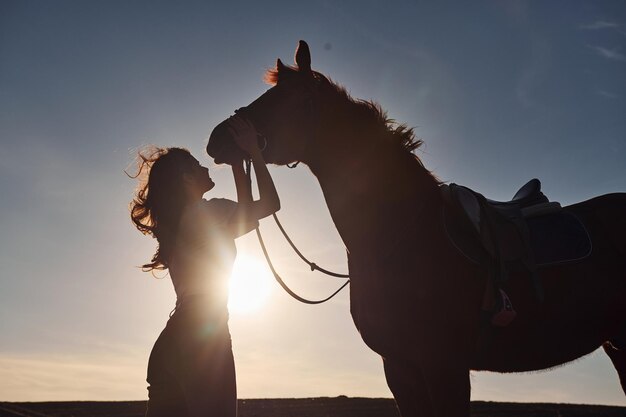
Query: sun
x=250, y=285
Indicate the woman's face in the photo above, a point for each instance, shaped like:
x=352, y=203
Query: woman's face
x=200, y=175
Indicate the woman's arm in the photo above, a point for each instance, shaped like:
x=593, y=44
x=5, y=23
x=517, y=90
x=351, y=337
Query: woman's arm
x=242, y=183
x=241, y=222
x=268, y=202
x=248, y=210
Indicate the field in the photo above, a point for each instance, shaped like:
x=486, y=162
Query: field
x=306, y=407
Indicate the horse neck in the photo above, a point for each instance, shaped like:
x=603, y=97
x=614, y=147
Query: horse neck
x=370, y=185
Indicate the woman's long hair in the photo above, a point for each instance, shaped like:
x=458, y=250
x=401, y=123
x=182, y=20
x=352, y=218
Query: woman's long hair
x=159, y=200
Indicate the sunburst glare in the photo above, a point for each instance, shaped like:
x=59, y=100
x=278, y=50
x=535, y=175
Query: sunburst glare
x=250, y=285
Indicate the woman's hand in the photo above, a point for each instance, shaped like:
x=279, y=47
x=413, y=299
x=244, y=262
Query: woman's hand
x=244, y=134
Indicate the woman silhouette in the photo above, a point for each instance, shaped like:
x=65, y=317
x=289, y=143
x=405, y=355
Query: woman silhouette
x=191, y=371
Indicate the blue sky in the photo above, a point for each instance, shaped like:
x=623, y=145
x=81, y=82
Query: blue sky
x=500, y=92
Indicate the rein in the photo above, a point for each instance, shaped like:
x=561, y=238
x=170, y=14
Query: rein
x=312, y=265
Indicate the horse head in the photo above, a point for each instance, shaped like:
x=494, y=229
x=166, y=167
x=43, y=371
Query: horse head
x=284, y=116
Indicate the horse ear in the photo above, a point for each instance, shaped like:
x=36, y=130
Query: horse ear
x=303, y=57
x=279, y=65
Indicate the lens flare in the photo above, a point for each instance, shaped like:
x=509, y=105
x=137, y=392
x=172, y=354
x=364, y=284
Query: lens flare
x=250, y=285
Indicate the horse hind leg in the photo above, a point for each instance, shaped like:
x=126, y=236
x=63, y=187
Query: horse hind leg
x=617, y=353
x=611, y=212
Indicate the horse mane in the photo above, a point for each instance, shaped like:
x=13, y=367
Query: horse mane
x=368, y=110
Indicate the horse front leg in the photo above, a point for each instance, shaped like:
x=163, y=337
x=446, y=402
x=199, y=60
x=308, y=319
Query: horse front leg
x=433, y=389
x=448, y=386
x=407, y=386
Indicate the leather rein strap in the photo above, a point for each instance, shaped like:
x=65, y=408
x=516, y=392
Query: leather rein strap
x=312, y=265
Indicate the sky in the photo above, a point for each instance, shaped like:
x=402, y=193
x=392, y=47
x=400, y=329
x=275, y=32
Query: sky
x=500, y=92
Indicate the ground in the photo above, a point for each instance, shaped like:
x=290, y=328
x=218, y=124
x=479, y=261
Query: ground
x=306, y=407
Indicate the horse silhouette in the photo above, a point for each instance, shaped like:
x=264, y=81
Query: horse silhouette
x=415, y=298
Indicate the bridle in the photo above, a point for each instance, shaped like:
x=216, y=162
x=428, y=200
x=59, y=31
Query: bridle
x=314, y=112
x=311, y=137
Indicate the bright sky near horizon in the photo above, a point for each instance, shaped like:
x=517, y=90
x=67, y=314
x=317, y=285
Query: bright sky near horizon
x=500, y=92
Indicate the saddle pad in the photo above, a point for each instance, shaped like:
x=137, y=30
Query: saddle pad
x=555, y=238
x=558, y=238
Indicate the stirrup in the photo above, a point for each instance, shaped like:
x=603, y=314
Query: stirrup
x=505, y=313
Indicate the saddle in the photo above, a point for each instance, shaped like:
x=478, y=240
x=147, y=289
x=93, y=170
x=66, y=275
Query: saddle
x=527, y=232
x=527, y=202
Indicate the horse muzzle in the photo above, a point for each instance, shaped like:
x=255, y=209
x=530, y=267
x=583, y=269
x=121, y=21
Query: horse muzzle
x=221, y=147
